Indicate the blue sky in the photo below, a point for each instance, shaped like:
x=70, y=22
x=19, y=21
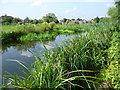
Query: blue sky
x=35, y=9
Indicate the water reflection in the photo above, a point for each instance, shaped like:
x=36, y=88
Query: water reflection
x=25, y=52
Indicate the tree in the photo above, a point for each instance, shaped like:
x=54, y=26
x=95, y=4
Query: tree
x=79, y=19
x=65, y=19
x=104, y=19
x=16, y=20
x=73, y=19
x=7, y=19
x=97, y=19
x=114, y=13
x=35, y=21
x=50, y=17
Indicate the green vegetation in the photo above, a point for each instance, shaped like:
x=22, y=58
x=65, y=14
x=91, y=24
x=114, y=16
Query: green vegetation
x=50, y=17
x=89, y=61
x=111, y=74
x=74, y=65
x=31, y=32
x=8, y=20
x=97, y=19
x=114, y=13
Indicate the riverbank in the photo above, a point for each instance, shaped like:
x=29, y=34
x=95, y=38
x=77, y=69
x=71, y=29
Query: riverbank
x=41, y=32
x=30, y=32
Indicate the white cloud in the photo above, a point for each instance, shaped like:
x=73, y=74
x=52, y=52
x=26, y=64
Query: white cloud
x=74, y=9
x=109, y=5
x=37, y=3
x=26, y=53
x=71, y=10
x=67, y=11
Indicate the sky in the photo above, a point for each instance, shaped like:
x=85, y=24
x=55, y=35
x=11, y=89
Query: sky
x=36, y=9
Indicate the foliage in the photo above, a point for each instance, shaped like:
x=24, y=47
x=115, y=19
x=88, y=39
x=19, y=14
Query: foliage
x=52, y=25
x=65, y=19
x=44, y=26
x=34, y=37
x=35, y=21
x=104, y=19
x=7, y=20
x=97, y=19
x=71, y=65
x=44, y=36
x=15, y=32
x=111, y=70
x=114, y=13
x=26, y=28
x=50, y=17
x=11, y=37
x=31, y=32
x=16, y=20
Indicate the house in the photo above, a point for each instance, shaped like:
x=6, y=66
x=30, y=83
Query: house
x=77, y=21
x=26, y=20
x=61, y=22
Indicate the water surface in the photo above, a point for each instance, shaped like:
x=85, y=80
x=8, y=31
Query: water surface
x=25, y=53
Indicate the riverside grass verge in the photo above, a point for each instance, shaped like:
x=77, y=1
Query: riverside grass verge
x=45, y=31
x=30, y=32
x=70, y=66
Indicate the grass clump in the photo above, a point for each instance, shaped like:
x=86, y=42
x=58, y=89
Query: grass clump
x=36, y=37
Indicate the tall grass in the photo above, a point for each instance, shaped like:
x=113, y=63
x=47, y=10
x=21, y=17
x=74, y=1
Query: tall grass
x=70, y=66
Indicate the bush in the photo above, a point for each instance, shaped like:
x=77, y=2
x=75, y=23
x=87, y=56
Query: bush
x=52, y=25
x=44, y=26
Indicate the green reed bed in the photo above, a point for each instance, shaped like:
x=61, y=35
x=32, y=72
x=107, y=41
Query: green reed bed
x=73, y=65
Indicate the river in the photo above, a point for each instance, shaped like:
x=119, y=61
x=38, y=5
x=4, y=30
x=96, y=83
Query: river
x=22, y=53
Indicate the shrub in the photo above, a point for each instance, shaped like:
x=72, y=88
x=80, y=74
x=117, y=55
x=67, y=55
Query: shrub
x=44, y=26
x=52, y=25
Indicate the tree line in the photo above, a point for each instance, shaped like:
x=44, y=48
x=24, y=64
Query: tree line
x=8, y=20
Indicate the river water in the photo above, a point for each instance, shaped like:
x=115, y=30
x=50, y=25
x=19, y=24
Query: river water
x=25, y=53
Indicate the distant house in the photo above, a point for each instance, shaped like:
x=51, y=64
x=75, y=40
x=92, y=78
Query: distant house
x=61, y=22
x=77, y=21
x=26, y=20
